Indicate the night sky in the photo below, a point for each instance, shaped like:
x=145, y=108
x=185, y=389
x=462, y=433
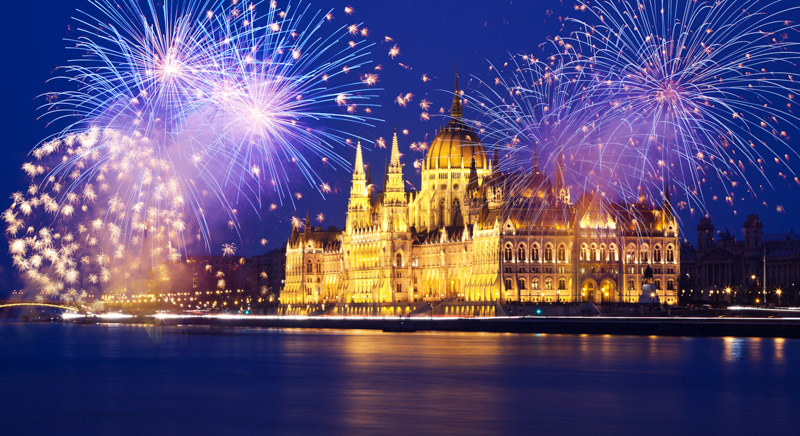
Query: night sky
x=434, y=36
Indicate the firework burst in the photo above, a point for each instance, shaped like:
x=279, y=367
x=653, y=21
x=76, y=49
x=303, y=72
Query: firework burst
x=173, y=111
x=706, y=87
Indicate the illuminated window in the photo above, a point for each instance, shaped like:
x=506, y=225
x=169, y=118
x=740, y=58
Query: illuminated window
x=548, y=253
x=509, y=284
x=535, y=284
x=562, y=253
x=399, y=260
x=613, y=252
x=309, y=267
x=670, y=254
x=521, y=284
x=631, y=284
x=656, y=254
x=522, y=253
x=548, y=284
x=593, y=253
x=562, y=284
x=584, y=252
x=509, y=253
x=603, y=257
x=535, y=253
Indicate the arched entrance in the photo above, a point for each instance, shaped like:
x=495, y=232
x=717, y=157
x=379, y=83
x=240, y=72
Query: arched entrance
x=588, y=291
x=608, y=290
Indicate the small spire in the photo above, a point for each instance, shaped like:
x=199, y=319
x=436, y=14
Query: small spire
x=395, y=157
x=496, y=158
x=455, y=110
x=359, y=165
x=472, y=185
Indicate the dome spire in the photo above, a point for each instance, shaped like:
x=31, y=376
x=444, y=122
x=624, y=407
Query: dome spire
x=455, y=110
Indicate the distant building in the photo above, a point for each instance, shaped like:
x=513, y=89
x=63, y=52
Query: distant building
x=722, y=268
x=478, y=234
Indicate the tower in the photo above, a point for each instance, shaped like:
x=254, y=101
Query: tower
x=358, y=207
x=705, y=234
x=753, y=232
x=560, y=185
x=395, y=204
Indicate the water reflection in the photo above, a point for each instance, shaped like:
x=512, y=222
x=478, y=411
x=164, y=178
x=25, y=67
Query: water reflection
x=215, y=380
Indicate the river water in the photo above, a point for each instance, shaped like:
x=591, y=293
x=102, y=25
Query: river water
x=116, y=379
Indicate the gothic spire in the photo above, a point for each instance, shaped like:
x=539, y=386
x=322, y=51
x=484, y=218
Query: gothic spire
x=472, y=185
x=455, y=110
x=359, y=166
x=394, y=161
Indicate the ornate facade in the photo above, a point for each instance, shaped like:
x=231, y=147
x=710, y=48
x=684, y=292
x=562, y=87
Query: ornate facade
x=476, y=233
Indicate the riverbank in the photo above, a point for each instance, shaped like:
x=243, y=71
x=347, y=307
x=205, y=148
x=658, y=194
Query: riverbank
x=787, y=327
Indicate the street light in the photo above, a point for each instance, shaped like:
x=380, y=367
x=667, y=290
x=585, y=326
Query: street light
x=778, y=291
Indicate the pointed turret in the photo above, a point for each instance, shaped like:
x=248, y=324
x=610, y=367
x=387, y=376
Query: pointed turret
x=394, y=160
x=295, y=234
x=666, y=206
x=358, y=168
x=472, y=185
x=455, y=110
x=358, y=209
x=560, y=185
x=307, y=229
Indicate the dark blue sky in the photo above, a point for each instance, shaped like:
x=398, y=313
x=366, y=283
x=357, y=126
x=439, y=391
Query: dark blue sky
x=433, y=37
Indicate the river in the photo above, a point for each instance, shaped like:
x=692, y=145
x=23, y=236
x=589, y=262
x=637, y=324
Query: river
x=119, y=379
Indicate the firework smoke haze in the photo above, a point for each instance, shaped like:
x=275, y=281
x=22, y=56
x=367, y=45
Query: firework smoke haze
x=173, y=111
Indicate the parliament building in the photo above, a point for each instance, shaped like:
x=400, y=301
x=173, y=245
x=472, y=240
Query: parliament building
x=474, y=233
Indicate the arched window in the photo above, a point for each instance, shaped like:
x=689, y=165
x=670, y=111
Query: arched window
x=548, y=253
x=522, y=253
x=593, y=253
x=584, y=252
x=643, y=254
x=521, y=284
x=509, y=253
x=535, y=284
x=399, y=260
x=319, y=267
x=670, y=254
x=548, y=284
x=562, y=253
x=631, y=284
x=509, y=284
x=670, y=285
x=613, y=252
x=562, y=284
x=603, y=257
x=630, y=256
x=657, y=254
x=658, y=284
x=535, y=253
x=309, y=267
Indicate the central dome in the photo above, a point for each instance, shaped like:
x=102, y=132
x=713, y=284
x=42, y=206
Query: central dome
x=456, y=145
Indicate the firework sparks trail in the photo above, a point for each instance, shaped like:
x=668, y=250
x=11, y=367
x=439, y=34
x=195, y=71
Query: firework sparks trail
x=706, y=87
x=168, y=111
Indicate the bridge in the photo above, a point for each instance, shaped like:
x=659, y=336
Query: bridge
x=71, y=306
